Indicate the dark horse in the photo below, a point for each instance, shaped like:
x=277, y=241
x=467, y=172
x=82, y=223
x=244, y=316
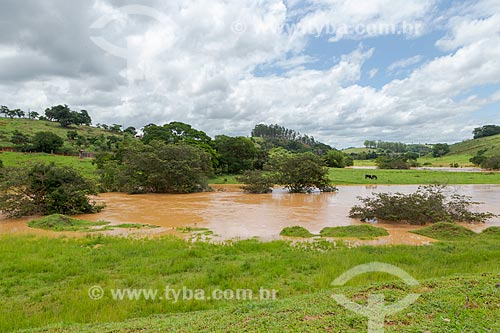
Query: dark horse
x=374, y=177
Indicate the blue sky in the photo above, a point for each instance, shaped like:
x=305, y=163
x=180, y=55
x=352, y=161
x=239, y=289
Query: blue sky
x=328, y=68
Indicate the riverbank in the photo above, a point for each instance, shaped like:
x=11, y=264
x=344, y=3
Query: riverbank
x=46, y=281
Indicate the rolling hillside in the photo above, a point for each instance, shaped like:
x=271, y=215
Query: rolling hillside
x=31, y=126
x=471, y=147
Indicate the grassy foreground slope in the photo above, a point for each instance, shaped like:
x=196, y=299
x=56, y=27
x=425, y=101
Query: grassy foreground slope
x=46, y=282
x=457, y=304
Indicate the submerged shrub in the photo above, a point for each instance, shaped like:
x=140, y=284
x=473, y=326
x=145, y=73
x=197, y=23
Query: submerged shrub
x=427, y=205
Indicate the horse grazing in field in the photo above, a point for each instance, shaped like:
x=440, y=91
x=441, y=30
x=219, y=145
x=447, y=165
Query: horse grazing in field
x=373, y=177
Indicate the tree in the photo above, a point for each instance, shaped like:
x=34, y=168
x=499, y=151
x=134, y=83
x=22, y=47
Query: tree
x=66, y=117
x=47, y=142
x=9, y=113
x=235, y=154
x=479, y=158
x=487, y=130
x=176, y=132
x=33, y=115
x=388, y=162
x=256, y=182
x=440, y=149
x=156, y=168
x=45, y=189
x=130, y=130
x=299, y=172
x=21, y=140
x=335, y=159
x=491, y=163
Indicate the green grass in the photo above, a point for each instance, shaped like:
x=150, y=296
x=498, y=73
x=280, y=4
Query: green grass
x=471, y=147
x=84, y=166
x=446, y=231
x=457, y=304
x=30, y=127
x=355, y=231
x=416, y=177
x=296, y=232
x=463, y=160
x=58, y=222
x=365, y=163
x=45, y=281
x=395, y=177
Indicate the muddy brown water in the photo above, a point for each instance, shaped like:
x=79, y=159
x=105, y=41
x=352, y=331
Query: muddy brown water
x=231, y=214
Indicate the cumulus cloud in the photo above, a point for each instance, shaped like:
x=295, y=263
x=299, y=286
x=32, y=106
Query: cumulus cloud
x=199, y=64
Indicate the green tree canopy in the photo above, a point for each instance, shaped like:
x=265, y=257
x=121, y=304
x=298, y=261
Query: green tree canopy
x=299, y=172
x=45, y=189
x=440, y=149
x=155, y=168
x=66, y=117
x=235, y=154
x=487, y=130
x=176, y=132
x=46, y=142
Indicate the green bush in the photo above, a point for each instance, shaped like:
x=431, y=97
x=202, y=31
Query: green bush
x=299, y=172
x=45, y=189
x=427, y=205
x=491, y=163
x=256, y=182
x=446, y=231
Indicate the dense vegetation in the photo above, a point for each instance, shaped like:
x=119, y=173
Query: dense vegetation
x=428, y=204
x=485, y=131
x=45, y=189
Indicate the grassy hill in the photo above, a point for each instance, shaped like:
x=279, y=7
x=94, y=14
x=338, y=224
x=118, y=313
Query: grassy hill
x=31, y=126
x=471, y=147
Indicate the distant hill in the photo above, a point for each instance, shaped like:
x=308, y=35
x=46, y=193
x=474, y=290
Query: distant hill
x=470, y=147
x=31, y=126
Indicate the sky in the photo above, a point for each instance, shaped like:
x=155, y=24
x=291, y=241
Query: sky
x=415, y=71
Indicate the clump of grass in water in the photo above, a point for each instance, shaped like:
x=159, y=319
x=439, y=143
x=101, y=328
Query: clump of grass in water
x=354, y=231
x=446, y=231
x=134, y=226
x=186, y=230
x=296, y=232
x=58, y=222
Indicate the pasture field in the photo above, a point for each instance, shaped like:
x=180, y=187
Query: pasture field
x=45, y=283
x=84, y=166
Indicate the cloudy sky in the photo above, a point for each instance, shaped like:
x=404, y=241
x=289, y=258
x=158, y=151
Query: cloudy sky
x=343, y=71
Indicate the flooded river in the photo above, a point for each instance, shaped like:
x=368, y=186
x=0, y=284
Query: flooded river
x=231, y=214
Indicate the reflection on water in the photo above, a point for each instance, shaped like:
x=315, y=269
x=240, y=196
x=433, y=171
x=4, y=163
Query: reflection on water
x=233, y=214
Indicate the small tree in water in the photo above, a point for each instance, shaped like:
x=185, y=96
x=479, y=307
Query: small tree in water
x=427, y=205
x=300, y=172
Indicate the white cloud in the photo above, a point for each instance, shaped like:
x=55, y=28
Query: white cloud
x=404, y=63
x=204, y=71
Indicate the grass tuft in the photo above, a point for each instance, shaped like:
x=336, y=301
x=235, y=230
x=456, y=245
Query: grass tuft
x=364, y=231
x=446, y=231
x=296, y=232
x=58, y=222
